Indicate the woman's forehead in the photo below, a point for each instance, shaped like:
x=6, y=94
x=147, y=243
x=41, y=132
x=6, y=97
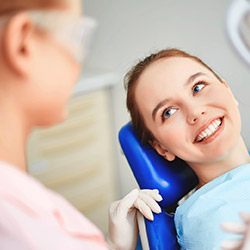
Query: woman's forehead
x=174, y=68
x=75, y=6
x=167, y=74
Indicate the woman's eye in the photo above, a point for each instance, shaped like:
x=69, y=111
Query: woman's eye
x=198, y=87
x=168, y=112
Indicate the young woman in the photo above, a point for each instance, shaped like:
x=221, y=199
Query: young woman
x=183, y=109
x=42, y=45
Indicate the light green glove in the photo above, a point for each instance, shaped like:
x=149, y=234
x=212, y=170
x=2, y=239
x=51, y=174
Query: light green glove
x=123, y=228
x=242, y=229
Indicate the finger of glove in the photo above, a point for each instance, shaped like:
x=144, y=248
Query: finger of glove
x=234, y=227
x=125, y=204
x=144, y=209
x=245, y=216
x=154, y=193
x=113, y=207
x=150, y=202
x=231, y=245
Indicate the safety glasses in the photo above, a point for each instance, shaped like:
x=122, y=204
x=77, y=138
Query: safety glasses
x=72, y=31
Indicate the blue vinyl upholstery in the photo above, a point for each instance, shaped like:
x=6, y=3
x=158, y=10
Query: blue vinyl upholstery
x=172, y=179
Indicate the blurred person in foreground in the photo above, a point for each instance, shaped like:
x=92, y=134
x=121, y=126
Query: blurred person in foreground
x=42, y=49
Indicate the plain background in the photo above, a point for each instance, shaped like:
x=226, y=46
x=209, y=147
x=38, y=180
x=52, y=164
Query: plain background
x=131, y=29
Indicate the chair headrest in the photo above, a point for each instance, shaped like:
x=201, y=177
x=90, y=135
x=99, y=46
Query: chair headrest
x=152, y=171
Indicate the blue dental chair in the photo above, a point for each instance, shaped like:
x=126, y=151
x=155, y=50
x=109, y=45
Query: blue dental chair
x=173, y=180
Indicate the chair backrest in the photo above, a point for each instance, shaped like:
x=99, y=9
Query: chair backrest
x=172, y=179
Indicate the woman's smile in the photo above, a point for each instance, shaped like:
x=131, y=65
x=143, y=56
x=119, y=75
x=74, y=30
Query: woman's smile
x=211, y=132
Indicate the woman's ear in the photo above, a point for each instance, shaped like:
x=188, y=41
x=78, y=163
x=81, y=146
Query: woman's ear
x=162, y=151
x=16, y=44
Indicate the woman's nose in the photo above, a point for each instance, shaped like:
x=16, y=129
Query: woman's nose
x=194, y=117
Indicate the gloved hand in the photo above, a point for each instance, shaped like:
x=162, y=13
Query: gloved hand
x=242, y=229
x=123, y=229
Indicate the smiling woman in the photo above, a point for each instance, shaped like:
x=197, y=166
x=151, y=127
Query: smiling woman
x=183, y=109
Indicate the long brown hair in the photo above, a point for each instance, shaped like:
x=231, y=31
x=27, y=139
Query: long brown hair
x=130, y=82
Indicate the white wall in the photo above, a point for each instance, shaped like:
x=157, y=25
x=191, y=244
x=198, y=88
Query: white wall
x=131, y=29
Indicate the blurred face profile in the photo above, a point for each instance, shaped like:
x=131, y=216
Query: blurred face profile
x=55, y=68
x=44, y=44
x=191, y=113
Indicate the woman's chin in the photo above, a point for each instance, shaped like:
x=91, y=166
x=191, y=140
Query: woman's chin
x=50, y=120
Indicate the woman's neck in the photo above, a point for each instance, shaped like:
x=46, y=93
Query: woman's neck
x=237, y=156
x=13, y=136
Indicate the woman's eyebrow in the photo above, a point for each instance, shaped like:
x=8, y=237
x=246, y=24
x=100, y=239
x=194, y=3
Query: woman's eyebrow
x=163, y=102
x=193, y=77
x=158, y=106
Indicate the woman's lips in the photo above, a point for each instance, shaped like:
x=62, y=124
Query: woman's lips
x=214, y=135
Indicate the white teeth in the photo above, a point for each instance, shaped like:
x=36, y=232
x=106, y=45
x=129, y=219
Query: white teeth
x=203, y=134
x=209, y=130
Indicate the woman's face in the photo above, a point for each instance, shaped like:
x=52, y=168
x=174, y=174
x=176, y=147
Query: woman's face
x=191, y=113
x=55, y=72
x=53, y=77
x=38, y=66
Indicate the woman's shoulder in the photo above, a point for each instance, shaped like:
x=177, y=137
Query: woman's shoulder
x=228, y=190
